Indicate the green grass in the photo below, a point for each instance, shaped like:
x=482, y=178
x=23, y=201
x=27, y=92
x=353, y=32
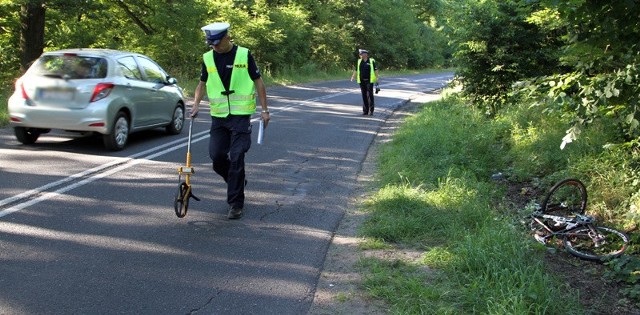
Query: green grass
x=436, y=196
x=402, y=285
x=428, y=147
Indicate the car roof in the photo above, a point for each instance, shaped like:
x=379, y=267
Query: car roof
x=92, y=51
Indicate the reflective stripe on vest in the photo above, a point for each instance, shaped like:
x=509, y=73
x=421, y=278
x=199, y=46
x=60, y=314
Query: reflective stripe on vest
x=372, y=76
x=243, y=99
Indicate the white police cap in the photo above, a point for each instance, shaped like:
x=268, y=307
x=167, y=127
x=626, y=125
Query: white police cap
x=215, y=32
x=362, y=51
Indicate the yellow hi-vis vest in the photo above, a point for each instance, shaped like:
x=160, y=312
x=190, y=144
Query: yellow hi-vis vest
x=241, y=97
x=372, y=77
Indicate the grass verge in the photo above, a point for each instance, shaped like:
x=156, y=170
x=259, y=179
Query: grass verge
x=437, y=197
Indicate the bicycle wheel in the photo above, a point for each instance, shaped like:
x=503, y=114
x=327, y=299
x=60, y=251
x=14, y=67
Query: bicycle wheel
x=597, y=243
x=566, y=198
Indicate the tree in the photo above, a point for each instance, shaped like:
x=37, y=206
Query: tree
x=602, y=77
x=9, y=41
x=305, y=35
x=135, y=17
x=292, y=21
x=496, y=45
x=32, y=26
x=32, y=19
x=397, y=37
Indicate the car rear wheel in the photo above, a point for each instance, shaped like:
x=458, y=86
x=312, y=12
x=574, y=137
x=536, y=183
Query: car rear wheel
x=116, y=140
x=177, y=121
x=27, y=135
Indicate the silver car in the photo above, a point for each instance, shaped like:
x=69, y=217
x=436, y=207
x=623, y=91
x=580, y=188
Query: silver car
x=110, y=92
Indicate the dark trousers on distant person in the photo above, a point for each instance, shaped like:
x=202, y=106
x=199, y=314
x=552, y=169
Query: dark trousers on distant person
x=368, y=103
x=230, y=139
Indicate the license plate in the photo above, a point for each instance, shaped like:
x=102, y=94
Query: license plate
x=56, y=95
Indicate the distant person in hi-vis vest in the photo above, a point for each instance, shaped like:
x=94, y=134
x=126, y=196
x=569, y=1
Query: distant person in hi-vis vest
x=230, y=78
x=366, y=72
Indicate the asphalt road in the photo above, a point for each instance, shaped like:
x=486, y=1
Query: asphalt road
x=87, y=231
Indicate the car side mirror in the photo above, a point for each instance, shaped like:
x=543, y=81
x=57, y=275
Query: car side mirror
x=171, y=80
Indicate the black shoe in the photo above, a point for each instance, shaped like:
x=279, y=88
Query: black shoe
x=234, y=213
x=371, y=113
x=365, y=114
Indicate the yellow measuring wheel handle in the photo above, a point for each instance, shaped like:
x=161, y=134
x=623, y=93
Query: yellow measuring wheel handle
x=187, y=170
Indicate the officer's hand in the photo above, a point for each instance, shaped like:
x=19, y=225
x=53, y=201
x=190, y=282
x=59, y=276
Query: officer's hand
x=265, y=118
x=194, y=112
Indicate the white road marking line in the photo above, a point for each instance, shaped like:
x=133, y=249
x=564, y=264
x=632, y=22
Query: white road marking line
x=100, y=171
x=110, y=168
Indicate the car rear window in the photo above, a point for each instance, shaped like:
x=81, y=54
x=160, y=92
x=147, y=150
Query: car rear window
x=71, y=66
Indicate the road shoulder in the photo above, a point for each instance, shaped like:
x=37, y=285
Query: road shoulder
x=339, y=289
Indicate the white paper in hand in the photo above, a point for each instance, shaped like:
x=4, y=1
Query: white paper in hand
x=261, y=132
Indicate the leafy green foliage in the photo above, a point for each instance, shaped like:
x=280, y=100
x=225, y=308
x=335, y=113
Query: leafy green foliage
x=579, y=58
x=532, y=143
x=627, y=269
x=405, y=43
x=585, y=96
x=10, y=61
x=293, y=23
x=284, y=36
x=496, y=46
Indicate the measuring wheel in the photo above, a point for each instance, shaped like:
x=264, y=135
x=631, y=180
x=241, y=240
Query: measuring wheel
x=181, y=203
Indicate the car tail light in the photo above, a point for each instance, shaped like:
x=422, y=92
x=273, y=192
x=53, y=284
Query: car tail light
x=20, y=86
x=101, y=91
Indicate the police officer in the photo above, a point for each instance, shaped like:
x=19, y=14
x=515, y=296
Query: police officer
x=230, y=78
x=367, y=75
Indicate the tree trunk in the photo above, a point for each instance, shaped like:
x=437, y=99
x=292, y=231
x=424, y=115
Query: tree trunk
x=146, y=29
x=32, y=18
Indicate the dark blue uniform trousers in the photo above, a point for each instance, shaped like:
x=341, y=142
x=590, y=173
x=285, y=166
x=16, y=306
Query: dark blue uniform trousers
x=368, y=104
x=230, y=139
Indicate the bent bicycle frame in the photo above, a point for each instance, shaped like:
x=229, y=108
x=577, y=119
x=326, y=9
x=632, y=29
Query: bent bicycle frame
x=580, y=226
